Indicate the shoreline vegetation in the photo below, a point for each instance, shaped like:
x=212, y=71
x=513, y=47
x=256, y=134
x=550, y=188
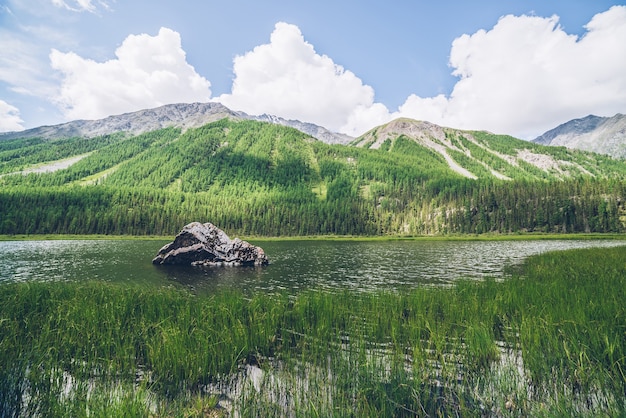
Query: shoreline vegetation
x=450, y=237
x=549, y=341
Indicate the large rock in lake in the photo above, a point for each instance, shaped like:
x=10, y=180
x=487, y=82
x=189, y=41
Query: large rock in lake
x=206, y=245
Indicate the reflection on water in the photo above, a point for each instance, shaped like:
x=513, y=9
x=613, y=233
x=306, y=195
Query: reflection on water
x=295, y=265
x=76, y=260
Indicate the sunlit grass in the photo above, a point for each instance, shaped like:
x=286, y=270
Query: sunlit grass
x=97, y=177
x=535, y=236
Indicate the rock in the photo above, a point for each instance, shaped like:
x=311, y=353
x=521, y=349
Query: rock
x=181, y=115
x=604, y=135
x=206, y=245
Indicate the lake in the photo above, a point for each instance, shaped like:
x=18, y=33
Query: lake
x=295, y=265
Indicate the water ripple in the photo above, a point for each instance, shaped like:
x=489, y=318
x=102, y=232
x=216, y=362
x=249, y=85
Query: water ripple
x=295, y=265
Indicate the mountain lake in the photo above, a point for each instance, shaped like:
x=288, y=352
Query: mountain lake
x=296, y=265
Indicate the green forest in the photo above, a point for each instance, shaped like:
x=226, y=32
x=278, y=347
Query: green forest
x=253, y=178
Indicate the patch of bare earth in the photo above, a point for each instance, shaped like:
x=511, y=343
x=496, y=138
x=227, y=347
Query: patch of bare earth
x=55, y=165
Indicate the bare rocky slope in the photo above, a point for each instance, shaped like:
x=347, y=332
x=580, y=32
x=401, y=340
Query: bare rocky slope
x=183, y=115
x=604, y=135
x=315, y=131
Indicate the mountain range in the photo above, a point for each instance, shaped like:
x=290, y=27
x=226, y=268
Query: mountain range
x=151, y=172
x=470, y=154
x=180, y=115
x=482, y=155
x=605, y=135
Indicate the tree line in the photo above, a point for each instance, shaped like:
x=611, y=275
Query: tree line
x=253, y=178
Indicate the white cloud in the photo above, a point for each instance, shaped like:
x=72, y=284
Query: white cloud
x=288, y=78
x=148, y=71
x=80, y=5
x=6, y=9
x=25, y=47
x=522, y=77
x=526, y=75
x=24, y=64
x=17, y=63
x=10, y=119
x=364, y=117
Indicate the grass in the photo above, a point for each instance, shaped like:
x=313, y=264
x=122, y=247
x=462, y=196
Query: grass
x=451, y=237
x=97, y=177
x=50, y=237
x=548, y=342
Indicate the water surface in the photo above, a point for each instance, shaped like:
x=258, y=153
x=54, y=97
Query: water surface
x=295, y=265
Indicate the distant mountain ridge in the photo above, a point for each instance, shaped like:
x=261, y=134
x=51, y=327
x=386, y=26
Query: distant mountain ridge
x=604, y=135
x=479, y=154
x=181, y=115
x=315, y=131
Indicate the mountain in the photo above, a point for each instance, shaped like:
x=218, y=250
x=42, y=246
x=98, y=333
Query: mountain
x=258, y=178
x=592, y=133
x=476, y=154
x=181, y=115
x=315, y=131
x=178, y=115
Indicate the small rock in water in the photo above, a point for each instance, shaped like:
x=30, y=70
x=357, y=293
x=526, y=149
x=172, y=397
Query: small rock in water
x=200, y=244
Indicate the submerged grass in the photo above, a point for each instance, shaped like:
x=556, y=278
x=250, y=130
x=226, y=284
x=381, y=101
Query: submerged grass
x=549, y=341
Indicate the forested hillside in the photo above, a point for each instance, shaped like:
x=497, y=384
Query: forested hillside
x=256, y=178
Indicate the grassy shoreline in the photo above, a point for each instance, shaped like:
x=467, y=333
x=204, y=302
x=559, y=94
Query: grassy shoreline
x=70, y=237
x=460, y=237
x=547, y=342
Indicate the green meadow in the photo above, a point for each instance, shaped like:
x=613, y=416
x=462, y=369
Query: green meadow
x=550, y=341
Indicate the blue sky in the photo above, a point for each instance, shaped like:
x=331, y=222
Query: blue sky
x=508, y=66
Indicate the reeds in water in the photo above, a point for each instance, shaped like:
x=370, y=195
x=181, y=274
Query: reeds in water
x=548, y=341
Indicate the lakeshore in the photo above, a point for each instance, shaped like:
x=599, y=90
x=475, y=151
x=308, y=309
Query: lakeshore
x=547, y=341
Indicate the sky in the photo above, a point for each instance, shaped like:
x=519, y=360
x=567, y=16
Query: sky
x=516, y=67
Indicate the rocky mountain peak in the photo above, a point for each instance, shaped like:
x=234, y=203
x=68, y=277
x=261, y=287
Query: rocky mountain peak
x=315, y=131
x=182, y=115
x=415, y=129
x=604, y=135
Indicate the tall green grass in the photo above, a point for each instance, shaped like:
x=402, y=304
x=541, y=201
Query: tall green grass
x=550, y=340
